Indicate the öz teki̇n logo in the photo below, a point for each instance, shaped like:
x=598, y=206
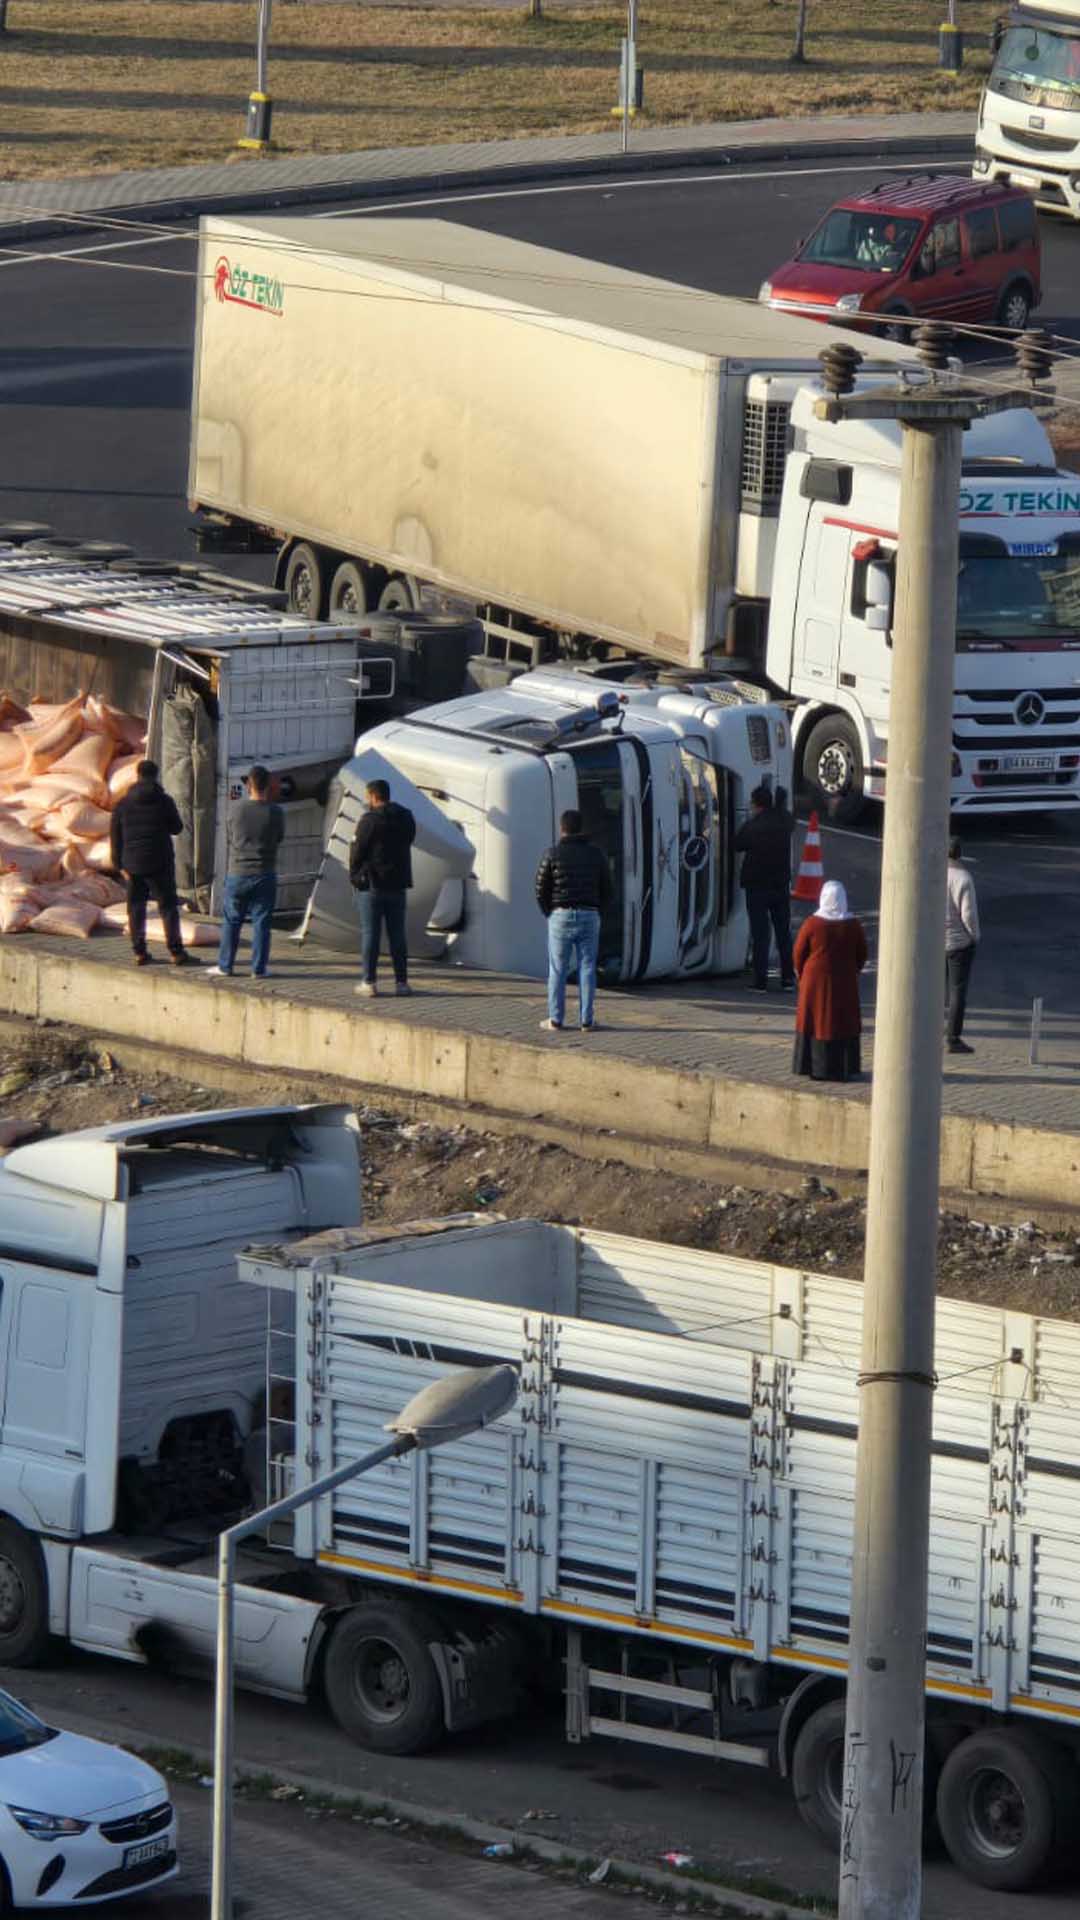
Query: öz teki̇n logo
x=246, y=289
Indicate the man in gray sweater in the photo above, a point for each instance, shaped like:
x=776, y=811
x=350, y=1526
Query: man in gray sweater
x=256, y=830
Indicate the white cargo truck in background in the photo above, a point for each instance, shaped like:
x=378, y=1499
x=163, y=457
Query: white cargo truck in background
x=422, y=417
x=661, y=776
x=1029, y=115
x=665, y=1517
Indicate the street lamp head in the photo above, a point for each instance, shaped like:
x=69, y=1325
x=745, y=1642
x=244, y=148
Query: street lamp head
x=457, y=1405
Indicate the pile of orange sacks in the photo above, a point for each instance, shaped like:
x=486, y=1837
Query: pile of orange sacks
x=62, y=770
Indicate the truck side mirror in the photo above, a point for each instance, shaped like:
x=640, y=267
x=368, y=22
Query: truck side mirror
x=878, y=593
x=997, y=34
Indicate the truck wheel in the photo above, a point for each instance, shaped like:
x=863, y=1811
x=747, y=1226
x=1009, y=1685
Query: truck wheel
x=380, y=1679
x=1006, y=1806
x=817, y=1772
x=833, y=768
x=305, y=581
x=1014, y=307
x=400, y=594
x=24, y=1598
x=348, y=591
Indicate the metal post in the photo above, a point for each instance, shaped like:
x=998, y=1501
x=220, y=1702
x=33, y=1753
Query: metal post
x=260, y=109
x=262, y=46
x=881, y=1859
x=1036, y=1031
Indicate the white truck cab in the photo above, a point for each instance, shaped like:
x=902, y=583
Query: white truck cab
x=1029, y=115
x=661, y=773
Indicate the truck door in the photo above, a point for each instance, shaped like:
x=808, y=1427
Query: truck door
x=614, y=798
x=825, y=559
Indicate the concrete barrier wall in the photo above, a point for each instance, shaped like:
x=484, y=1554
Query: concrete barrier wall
x=656, y=1105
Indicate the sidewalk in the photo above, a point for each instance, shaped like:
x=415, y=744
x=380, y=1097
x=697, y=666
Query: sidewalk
x=701, y=1067
x=292, y=1865
x=37, y=209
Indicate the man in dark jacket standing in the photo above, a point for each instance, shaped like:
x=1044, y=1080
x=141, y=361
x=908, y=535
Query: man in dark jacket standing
x=765, y=841
x=256, y=830
x=573, y=886
x=144, y=824
x=380, y=868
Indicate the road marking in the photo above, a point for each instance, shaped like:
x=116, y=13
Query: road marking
x=13, y=259
x=621, y=186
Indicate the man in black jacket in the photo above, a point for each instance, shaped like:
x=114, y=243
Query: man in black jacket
x=765, y=840
x=144, y=824
x=380, y=868
x=573, y=886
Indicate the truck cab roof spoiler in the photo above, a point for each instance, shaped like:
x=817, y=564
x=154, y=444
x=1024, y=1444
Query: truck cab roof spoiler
x=89, y=1162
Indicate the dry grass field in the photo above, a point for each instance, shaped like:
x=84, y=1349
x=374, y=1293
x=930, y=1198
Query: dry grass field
x=112, y=84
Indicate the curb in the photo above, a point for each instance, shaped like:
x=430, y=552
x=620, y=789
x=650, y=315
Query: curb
x=523, y=1839
x=364, y=187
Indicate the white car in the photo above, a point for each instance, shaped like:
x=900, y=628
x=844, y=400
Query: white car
x=79, y=1821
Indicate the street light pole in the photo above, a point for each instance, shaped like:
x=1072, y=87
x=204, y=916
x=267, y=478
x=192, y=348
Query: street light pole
x=881, y=1822
x=260, y=109
x=449, y=1409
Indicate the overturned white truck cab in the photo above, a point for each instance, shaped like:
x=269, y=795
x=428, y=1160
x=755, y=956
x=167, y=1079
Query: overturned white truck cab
x=661, y=772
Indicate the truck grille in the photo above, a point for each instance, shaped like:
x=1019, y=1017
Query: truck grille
x=764, y=452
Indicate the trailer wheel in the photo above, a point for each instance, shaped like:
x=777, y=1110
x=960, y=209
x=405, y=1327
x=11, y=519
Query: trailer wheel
x=305, y=581
x=24, y=1598
x=833, y=768
x=380, y=1679
x=1007, y=1805
x=400, y=594
x=817, y=1772
x=348, y=590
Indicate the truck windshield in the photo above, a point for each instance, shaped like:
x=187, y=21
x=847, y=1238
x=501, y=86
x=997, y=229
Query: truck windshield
x=1006, y=598
x=602, y=800
x=874, y=242
x=1039, y=67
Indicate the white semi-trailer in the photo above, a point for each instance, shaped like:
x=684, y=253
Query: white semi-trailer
x=423, y=415
x=667, y=1510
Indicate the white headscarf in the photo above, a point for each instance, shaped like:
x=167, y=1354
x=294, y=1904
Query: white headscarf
x=833, y=903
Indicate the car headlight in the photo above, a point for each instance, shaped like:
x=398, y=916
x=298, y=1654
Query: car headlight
x=46, y=1826
x=849, y=303
x=765, y=290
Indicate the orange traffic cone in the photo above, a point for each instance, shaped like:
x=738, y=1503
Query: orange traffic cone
x=811, y=874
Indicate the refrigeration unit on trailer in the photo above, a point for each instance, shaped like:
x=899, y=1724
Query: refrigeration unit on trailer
x=603, y=464
x=669, y=1508
x=223, y=676
x=662, y=777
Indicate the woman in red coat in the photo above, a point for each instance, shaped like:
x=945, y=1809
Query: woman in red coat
x=830, y=954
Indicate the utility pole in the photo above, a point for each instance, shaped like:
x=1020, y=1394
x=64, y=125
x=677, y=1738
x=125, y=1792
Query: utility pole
x=260, y=108
x=881, y=1836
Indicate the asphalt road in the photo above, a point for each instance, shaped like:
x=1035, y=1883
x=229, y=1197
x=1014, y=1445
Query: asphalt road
x=95, y=381
x=602, y=1797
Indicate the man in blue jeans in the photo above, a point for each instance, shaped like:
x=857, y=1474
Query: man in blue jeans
x=256, y=830
x=573, y=886
x=380, y=868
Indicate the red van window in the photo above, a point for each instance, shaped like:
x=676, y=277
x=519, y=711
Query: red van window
x=946, y=244
x=1017, y=219
x=982, y=232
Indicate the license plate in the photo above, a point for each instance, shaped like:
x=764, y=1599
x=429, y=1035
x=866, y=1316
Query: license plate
x=1029, y=763
x=146, y=1850
x=1029, y=180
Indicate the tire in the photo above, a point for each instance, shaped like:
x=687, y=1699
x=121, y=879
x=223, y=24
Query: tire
x=1014, y=307
x=305, y=581
x=817, y=1772
x=380, y=1680
x=24, y=1598
x=400, y=595
x=833, y=768
x=1006, y=1805
x=348, y=591
x=900, y=327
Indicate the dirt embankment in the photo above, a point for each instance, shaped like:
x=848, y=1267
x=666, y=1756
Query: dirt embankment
x=53, y=1081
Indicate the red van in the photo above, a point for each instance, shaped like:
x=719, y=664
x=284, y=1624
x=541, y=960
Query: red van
x=929, y=246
